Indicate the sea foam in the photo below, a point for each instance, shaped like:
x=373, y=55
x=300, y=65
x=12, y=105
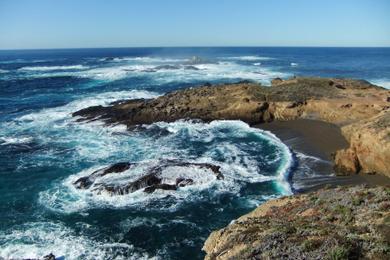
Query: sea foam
x=49, y=68
x=217, y=143
x=36, y=239
x=247, y=58
x=381, y=82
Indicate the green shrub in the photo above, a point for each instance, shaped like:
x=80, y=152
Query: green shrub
x=338, y=253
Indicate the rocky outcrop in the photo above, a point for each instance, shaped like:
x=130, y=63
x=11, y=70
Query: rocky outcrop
x=150, y=181
x=342, y=223
x=369, y=147
x=360, y=108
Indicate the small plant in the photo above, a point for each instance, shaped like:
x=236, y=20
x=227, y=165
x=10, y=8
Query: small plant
x=338, y=253
x=344, y=212
x=357, y=201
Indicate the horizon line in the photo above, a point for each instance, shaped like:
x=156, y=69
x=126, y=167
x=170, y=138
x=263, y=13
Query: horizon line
x=199, y=46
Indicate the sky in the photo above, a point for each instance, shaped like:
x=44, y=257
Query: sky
x=40, y=24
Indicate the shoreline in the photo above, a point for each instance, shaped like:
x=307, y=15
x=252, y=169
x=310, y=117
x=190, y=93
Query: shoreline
x=301, y=136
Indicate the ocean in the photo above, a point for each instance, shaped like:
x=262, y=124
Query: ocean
x=43, y=150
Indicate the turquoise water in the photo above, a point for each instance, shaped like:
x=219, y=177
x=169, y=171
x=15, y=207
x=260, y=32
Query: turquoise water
x=43, y=149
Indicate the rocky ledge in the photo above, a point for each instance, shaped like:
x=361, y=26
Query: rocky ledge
x=341, y=223
x=358, y=107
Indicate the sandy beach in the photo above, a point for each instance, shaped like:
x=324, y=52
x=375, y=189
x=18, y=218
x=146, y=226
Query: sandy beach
x=321, y=140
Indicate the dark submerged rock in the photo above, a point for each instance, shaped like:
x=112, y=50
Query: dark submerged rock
x=149, y=182
x=87, y=181
x=49, y=257
x=167, y=67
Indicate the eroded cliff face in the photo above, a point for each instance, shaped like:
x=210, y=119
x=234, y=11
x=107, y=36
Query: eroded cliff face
x=360, y=108
x=369, y=150
x=342, y=223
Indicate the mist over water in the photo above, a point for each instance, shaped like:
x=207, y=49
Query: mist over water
x=43, y=150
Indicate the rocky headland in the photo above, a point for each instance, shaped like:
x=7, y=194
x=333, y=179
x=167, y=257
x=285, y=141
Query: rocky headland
x=337, y=223
x=359, y=108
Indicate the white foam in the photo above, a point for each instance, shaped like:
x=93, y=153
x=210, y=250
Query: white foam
x=15, y=140
x=381, y=82
x=12, y=61
x=237, y=165
x=247, y=58
x=115, y=72
x=257, y=63
x=143, y=59
x=51, y=114
x=49, y=68
x=56, y=131
x=228, y=69
x=37, y=239
x=293, y=64
x=3, y=71
x=222, y=70
x=303, y=156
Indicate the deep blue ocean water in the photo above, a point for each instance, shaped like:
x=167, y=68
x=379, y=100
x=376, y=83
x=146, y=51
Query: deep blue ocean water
x=43, y=150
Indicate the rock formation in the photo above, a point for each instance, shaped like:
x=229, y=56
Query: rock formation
x=358, y=107
x=342, y=223
x=149, y=182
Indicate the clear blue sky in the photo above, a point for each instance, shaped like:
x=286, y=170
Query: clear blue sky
x=120, y=23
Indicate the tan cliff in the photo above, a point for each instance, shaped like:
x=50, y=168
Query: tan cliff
x=358, y=107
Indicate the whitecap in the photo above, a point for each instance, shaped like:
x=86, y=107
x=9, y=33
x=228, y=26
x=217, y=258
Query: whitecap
x=143, y=59
x=222, y=70
x=11, y=140
x=246, y=58
x=49, y=68
x=52, y=114
x=293, y=64
x=257, y=63
x=36, y=239
x=228, y=70
x=381, y=82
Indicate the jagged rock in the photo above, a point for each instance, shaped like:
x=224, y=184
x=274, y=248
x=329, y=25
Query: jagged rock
x=346, y=162
x=167, y=67
x=339, y=86
x=49, y=257
x=181, y=182
x=162, y=186
x=276, y=81
x=149, y=182
x=190, y=67
x=86, y=182
x=149, y=70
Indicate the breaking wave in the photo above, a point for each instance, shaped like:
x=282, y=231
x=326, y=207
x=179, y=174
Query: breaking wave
x=232, y=145
x=49, y=68
x=381, y=82
x=37, y=239
x=247, y=58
